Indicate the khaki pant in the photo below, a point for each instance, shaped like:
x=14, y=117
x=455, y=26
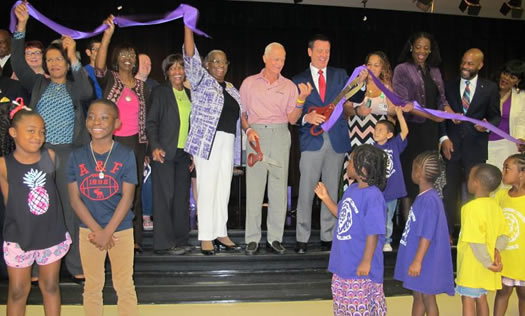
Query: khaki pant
x=121, y=257
x=275, y=144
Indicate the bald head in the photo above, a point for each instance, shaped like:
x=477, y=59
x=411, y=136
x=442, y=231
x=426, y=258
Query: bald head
x=5, y=43
x=274, y=57
x=475, y=53
x=471, y=63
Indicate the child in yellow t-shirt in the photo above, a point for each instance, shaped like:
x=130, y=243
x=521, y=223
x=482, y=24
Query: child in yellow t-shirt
x=483, y=234
x=513, y=257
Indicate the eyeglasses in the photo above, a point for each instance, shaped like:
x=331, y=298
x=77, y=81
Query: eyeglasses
x=34, y=53
x=127, y=55
x=94, y=49
x=218, y=62
x=55, y=60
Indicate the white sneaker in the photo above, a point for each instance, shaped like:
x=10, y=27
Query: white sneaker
x=147, y=223
x=387, y=248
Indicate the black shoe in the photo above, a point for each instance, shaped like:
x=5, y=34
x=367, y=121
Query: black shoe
x=79, y=281
x=276, y=247
x=301, y=247
x=252, y=248
x=208, y=252
x=138, y=250
x=177, y=251
x=326, y=245
x=222, y=246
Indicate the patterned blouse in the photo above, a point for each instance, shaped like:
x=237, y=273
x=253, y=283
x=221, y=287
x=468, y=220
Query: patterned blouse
x=112, y=89
x=207, y=102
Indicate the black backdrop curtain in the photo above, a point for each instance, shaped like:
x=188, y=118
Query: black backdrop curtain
x=243, y=29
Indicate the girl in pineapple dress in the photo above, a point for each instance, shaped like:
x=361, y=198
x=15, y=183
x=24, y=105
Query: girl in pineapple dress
x=34, y=229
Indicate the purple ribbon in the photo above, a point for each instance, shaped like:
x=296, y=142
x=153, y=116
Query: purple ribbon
x=396, y=100
x=326, y=126
x=188, y=13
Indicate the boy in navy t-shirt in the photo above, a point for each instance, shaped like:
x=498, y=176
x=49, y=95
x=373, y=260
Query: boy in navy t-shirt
x=102, y=178
x=393, y=147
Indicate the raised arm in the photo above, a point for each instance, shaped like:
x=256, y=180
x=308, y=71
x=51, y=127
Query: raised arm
x=100, y=63
x=189, y=42
x=81, y=78
x=25, y=74
x=402, y=122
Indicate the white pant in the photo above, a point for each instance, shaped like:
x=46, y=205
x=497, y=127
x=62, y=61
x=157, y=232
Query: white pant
x=214, y=178
x=499, y=150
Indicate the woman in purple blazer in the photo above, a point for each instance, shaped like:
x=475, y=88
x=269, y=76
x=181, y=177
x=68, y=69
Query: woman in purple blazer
x=417, y=78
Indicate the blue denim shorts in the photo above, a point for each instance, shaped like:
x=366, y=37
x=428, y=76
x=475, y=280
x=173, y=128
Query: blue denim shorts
x=470, y=292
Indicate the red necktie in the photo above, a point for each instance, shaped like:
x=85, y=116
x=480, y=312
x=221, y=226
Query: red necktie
x=322, y=85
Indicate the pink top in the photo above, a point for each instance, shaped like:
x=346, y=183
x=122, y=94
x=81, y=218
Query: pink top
x=268, y=103
x=128, y=107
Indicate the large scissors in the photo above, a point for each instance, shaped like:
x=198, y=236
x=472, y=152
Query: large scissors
x=327, y=110
x=258, y=156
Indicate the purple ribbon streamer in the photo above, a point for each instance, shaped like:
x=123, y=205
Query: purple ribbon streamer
x=188, y=13
x=396, y=100
x=326, y=126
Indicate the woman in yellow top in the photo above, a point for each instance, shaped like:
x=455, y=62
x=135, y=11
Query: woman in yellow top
x=513, y=257
x=483, y=235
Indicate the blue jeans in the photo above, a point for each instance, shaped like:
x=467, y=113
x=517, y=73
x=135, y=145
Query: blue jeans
x=391, y=207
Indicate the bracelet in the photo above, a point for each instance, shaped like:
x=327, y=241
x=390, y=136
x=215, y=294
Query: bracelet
x=299, y=106
x=300, y=101
x=247, y=130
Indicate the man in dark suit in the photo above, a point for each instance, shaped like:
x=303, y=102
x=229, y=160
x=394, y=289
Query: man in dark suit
x=5, y=54
x=464, y=144
x=321, y=156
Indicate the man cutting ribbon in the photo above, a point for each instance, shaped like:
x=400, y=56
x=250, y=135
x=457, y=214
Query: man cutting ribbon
x=322, y=155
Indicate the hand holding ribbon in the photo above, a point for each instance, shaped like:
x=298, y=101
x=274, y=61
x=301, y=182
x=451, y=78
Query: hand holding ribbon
x=338, y=110
x=187, y=12
x=482, y=125
x=396, y=100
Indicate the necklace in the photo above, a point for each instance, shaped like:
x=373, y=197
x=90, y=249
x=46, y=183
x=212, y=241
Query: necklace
x=101, y=173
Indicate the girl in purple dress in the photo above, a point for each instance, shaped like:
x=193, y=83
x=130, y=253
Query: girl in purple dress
x=356, y=258
x=424, y=261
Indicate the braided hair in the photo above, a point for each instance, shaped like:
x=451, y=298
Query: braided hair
x=7, y=145
x=519, y=159
x=370, y=165
x=433, y=169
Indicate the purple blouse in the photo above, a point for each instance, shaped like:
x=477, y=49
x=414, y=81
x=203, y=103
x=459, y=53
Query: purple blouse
x=408, y=84
x=504, y=124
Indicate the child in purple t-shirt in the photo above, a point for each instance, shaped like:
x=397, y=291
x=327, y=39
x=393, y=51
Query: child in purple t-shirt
x=356, y=258
x=395, y=184
x=424, y=260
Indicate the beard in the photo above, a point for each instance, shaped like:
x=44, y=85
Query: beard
x=468, y=74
